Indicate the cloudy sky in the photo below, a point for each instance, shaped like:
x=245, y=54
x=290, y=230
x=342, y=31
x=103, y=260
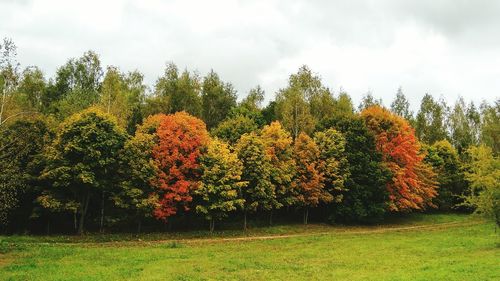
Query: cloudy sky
x=448, y=48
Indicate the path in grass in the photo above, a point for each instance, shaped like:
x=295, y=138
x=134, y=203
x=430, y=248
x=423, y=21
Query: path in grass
x=427, y=227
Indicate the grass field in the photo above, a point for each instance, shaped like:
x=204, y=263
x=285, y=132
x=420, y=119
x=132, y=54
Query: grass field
x=420, y=247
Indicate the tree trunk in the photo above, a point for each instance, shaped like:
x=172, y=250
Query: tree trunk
x=101, y=224
x=212, y=225
x=85, y=205
x=48, y=226
x=139, y=225
x=4, y=94
x=271, y=217
x=306, y=215
x=245, y=220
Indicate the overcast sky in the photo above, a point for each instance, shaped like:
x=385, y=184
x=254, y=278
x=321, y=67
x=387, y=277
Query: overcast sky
x=445, y=48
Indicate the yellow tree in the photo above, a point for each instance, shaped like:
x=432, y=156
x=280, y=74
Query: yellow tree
x=278, y=145
x=220, y=188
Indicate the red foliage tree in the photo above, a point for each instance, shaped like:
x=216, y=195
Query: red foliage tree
x=181, y=139
x=413, y=184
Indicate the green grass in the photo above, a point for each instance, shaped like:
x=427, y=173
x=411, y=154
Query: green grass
x=466, y=250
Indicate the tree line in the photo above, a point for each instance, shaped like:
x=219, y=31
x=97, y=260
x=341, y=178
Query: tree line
x=98, y=147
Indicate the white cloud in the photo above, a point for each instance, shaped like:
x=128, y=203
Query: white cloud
x=448, y=48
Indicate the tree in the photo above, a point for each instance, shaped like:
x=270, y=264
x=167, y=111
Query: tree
x=122, y=95
x=77, y=85
x=253, y=101
x=483, y=175
x=401, y=106
x=462, y=133
x=33, y=87
x=136, y=193
x=332, y=161
x=365, y=196
x=269, y=113
x=310, y=180
x=217, y=99
x=279, y=149
x=474, y=120
x=304, y=102
x=9, y=79
x=443, y=157
x=182, y=91
x=430, y=121
x=343, y=105
x=413, y=183
x=293, y=111
x=490, y=128
x=368, y=101
x=233, y=128
x=21, y=146
x=259, y=194
x=112, y=98
x=221, y=185
x=82, y=160
x=250, y=107
x=182, y=138
x=136, y=98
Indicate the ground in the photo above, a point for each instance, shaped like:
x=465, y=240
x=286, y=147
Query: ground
x=421, y=247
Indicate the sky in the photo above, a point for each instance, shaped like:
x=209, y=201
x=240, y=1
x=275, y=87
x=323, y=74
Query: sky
x=447, y=48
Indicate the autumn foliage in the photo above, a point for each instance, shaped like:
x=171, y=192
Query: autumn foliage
x=413, y=183
x=181, y=139
x=310, y=179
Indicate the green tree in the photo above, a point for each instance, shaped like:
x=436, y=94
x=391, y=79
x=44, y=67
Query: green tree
x=343, y=105
x=253, y=101
x=332, y=161
x=490, y=128
x=445, y=161
x=250, y=107
x=233, y=128
x=365, y=196
x=304, y=102
x=33, y=87
x=136, y=98
x=83, y=159
x=135, y=193
x=483, y=175
x=259, y=194
x=9, y=79
x=401, y=106
x=77, y=85
x=269, y=113
x=181, y=90
x=21, y=146
x=293, y=111
x=218, y=98
x=368, y=101
x=462, y=133
x=122, y=95
x=430, y=123
x=221, y=184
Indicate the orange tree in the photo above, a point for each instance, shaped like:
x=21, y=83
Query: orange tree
x=181, y=140
x=310, y=179
x=413, y=183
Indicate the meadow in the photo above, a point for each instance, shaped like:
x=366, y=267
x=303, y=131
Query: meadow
x=418, y=247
